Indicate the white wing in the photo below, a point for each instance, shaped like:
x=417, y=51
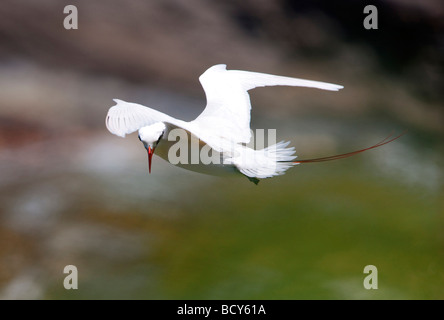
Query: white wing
x=126, y=117
x=227, y=113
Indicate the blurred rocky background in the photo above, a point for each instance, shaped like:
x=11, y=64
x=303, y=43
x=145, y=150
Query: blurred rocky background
x=72, y=193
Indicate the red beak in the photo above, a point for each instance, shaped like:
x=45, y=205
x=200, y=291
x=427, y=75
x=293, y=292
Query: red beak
x=150, y=155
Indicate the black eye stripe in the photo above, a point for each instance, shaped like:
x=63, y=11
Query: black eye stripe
x=160, y=137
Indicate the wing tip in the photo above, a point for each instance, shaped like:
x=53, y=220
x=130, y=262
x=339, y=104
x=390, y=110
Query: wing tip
x=216, y=67
x=118, y=101
x=111, y=128
x=219, y=66
x=338, y=87
x=331, y=87
x=109, y=123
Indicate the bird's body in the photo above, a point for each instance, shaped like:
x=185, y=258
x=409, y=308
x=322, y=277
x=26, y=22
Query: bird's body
x=164, y=147
x=223, y=156
x=215, y=142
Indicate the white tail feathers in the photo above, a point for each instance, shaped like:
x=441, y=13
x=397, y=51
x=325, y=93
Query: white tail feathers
x=265, y=163
x=281, y=155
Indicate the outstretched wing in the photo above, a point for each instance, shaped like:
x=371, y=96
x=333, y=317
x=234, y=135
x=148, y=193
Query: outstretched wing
x=227, y=113
x=126, y=117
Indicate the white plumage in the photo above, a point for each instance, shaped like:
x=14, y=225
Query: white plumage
x=224, y=124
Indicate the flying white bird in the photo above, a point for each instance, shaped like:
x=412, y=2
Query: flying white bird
x=223, y=127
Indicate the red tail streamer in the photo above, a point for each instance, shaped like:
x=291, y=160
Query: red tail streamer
x=349, y=154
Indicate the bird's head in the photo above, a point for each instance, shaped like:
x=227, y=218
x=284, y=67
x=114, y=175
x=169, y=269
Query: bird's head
x=150, y=137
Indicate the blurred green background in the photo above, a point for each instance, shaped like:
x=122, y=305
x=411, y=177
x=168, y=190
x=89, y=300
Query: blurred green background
x=71, y=193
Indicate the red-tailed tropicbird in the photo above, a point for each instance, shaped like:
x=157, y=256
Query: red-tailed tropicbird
x=223, y=127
